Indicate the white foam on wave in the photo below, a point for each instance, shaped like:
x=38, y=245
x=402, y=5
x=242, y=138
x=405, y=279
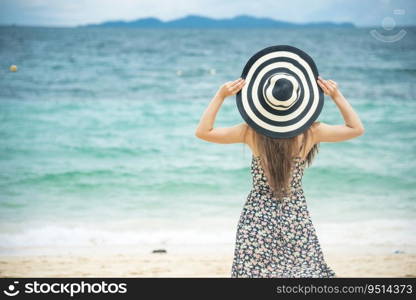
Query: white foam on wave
x=129, y=236
x=206, y=235
x=368, y=237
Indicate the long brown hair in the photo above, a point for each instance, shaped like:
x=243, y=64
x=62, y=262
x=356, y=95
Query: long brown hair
x=276, y=155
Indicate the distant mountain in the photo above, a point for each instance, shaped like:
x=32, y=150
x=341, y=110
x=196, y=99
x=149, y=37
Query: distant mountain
x=195, y=21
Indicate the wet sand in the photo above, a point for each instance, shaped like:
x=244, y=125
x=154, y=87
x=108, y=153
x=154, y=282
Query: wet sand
x=198, y=265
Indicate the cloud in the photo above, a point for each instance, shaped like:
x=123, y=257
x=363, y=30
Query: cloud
x=75, y=12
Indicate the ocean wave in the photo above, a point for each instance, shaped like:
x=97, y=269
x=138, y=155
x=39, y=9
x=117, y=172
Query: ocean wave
x=365, y=237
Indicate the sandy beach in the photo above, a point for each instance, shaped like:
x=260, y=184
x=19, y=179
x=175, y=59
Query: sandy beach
x=171, y=265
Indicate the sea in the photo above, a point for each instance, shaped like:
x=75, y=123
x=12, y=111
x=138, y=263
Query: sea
x=98, y=152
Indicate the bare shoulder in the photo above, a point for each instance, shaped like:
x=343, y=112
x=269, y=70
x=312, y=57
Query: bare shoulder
x=315, y=125
x=244, y=130
x=315, y=128
x=249, y=138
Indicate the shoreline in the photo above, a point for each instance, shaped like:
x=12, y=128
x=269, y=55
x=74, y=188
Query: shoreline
x=187, y=265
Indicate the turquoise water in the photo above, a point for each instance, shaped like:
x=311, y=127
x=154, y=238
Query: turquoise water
x=98, y=148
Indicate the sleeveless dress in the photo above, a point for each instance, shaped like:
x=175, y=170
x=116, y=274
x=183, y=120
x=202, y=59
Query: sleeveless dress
x=276, y=237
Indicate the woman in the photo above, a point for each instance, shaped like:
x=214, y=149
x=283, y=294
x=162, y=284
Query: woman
x=275, y=235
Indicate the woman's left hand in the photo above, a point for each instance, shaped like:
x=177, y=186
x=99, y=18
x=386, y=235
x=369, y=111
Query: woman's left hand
x=231, y=87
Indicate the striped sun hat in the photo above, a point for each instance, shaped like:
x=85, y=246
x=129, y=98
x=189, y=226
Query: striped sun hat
x=281, y=97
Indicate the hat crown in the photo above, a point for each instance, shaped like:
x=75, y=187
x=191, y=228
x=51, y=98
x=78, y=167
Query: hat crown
x=281, y=90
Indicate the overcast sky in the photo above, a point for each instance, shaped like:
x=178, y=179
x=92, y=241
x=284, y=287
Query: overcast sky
x=77, y=12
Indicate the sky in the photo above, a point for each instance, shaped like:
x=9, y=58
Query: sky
x=81, y=12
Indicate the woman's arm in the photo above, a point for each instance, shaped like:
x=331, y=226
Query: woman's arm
x=228, y=135
x=336, y=133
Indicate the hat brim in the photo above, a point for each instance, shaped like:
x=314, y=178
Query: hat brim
x=255, y=110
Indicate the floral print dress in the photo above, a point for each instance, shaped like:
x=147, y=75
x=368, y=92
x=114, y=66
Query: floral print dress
x=276, y=238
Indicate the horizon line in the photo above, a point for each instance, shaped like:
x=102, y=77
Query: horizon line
x=201, y=16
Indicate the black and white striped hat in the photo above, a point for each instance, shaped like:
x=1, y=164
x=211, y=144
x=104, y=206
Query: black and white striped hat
x=281, y=97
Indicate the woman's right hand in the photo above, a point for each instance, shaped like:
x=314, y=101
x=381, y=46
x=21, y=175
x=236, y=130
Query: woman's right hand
x=329, y=87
